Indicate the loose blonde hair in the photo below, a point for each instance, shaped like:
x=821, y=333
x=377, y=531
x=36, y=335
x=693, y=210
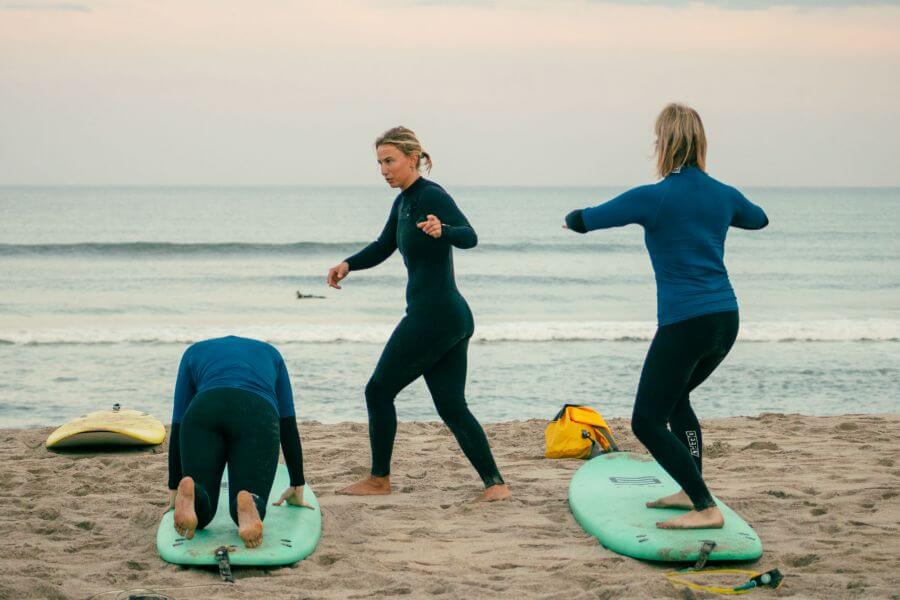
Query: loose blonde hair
x=680, y=139
x=405, y=141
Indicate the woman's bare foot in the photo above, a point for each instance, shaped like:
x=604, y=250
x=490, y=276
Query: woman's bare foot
x=250, y=526
x=708, y=518
x=370, y=486
x=494, y=493
x=677, y=500
x=185, y=515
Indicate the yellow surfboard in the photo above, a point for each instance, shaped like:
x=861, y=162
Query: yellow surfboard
x=115, y=427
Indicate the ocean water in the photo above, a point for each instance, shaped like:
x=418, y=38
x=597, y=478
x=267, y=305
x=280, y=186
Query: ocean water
x=101, y=290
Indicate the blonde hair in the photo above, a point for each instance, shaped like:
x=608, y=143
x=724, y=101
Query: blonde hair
x=680, y=139
x=405, y=141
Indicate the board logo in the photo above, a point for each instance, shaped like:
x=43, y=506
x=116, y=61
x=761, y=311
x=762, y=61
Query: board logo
x=647, y=480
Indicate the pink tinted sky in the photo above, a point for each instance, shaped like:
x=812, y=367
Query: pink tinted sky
x=527, y=93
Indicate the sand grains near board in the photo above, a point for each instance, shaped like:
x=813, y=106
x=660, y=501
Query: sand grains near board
x=821, y=491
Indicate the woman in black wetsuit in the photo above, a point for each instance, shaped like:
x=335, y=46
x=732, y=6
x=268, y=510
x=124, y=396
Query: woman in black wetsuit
x=432, y=340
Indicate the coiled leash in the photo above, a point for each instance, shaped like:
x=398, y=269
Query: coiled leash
x=771, y=579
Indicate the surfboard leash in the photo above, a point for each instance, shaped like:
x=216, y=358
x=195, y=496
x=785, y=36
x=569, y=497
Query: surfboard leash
x=772, y=578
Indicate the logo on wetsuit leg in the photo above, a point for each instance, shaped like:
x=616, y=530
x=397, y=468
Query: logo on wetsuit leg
x=693, y=443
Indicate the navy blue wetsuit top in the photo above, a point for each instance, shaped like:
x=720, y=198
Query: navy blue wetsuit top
x=233, y=362
x=685, y=219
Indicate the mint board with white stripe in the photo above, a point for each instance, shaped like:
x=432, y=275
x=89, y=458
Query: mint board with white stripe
x=607, y=496
x=290, y=533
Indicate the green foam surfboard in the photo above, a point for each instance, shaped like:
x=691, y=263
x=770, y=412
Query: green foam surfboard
x=607, y=497
x=290, y=533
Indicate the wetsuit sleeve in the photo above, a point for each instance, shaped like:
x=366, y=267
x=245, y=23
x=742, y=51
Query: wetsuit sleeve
x=575, y=221
x=292, y=450
x=287, y=425
x=746, y=214
x=636, y=206
x=455, y=228
x=174, y=456
x=185, y=390
x=283, y=391
x=379, y=250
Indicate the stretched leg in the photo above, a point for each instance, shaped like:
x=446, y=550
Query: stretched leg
x=203, y=459
x=671, y=360
x=683, y=421
x=253, y=437
x=408, y=353
x=446, y=381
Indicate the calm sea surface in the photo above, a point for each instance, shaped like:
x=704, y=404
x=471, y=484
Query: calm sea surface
x=101, y=290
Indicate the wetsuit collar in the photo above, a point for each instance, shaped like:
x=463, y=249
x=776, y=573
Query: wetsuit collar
x=417, y=184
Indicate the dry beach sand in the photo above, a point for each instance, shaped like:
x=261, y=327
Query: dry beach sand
x=822, y=492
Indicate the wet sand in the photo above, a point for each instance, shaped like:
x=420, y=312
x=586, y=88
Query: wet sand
x=822, y=492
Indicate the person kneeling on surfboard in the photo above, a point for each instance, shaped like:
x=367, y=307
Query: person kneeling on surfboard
x=685, y=218
x=233, y=404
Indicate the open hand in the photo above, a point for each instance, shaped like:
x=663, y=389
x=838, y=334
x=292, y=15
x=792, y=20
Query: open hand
x=293, y=496
x=336, y=274
x=432, y=226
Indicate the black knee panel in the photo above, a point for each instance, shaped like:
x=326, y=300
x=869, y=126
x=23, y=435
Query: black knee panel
x=644, y=426
x=453, y=411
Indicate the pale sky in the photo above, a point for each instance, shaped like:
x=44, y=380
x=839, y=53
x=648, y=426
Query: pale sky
x=528, y=92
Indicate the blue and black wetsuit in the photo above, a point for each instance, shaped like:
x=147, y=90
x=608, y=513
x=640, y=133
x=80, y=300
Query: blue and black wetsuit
x=233, y=404
x=685, y=219
x=432, y=339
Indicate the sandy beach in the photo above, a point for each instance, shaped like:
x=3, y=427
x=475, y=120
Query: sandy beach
x=822, y=492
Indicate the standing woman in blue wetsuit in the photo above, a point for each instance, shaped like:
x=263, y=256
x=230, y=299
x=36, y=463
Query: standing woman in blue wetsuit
x=685, y=219
x=233, y=405
x=432, y=340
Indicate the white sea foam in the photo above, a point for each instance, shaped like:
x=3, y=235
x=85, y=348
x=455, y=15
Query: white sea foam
x=881, y=330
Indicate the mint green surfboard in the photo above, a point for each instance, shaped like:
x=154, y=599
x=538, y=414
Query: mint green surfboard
x=607, y=497
x=290, y=533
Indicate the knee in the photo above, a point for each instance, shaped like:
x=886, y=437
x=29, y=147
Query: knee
x=453, y=411
x=377, y=397
x=643, y=425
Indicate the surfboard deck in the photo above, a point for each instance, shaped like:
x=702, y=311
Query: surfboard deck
x=290, y=533
x=607, y=496
x=114, y=427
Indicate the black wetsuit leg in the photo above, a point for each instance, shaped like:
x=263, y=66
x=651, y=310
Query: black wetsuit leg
x=446, y=381
x=233, y=427
x=416, y=349
x=681, y=356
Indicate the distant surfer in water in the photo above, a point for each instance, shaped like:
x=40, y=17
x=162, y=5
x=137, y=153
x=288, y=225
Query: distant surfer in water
x=233, y=405
x=432, y=340
x=685, y=219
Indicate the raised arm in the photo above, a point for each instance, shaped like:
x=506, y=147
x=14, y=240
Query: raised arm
x=455, y=228
x=746, y=214
x=636, y=206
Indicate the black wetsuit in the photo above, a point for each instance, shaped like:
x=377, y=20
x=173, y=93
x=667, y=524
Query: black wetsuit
x=432, y=339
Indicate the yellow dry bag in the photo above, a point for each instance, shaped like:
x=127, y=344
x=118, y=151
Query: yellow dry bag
x=578, y=432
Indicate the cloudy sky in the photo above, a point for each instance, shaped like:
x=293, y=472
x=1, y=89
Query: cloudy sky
x=527, y=92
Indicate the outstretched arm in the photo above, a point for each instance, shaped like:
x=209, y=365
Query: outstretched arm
x=747, y=215
x=379, y=250
x=636, y=206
